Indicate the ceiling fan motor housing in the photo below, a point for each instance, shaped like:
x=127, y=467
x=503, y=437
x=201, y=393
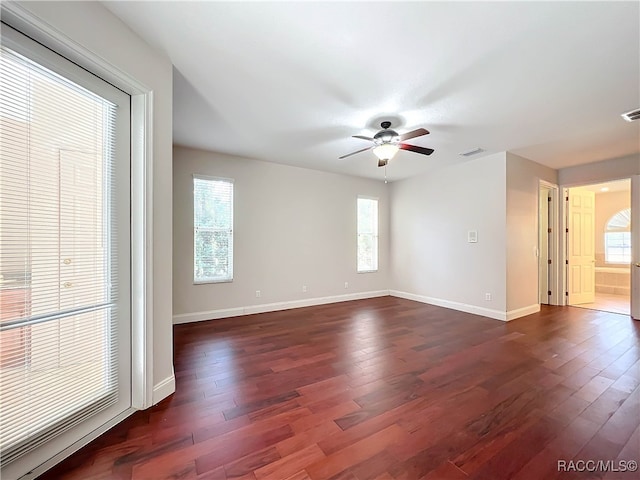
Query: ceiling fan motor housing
x=386, y=136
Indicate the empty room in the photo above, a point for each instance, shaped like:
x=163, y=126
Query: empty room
x=319, y=240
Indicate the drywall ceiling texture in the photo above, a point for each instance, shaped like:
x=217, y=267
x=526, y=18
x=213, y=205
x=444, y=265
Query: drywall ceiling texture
x=292, y=227
x=291, y=82
x=431, y=217
x=93, y=27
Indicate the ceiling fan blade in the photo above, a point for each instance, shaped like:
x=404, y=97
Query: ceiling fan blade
x=413, y=134
x=363, y=137
x=357, y=151
x=383, y=162
x=414, y=148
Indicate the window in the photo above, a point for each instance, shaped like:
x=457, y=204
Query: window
x=367, y=234
x=212, y=229
x=64, y=238
x=617, y=238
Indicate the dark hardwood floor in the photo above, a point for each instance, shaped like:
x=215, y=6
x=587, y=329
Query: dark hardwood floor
x=386, y=389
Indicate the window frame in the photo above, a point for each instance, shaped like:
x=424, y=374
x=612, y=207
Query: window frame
x=625, y=248
x=213, y=280
x=617, y=230
x=124, y=182
x=375, y=235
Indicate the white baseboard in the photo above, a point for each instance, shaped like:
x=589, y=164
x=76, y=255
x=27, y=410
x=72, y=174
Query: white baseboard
x=273, y=307
x=522, y=312
x=164, y=388
x=464, y=307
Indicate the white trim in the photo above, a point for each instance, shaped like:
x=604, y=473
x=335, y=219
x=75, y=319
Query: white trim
x=462, y=307
x=522, y=312
x=26, y=22
x=228, y=278
x=563, y=252
x=142, y=250
x=635, y=247
x=71, y=449
x=23, y=20
x=212, y=178
x=273, y=307
x=375, y=236
x=164, y=388
x=465, y=307
x=555, y=283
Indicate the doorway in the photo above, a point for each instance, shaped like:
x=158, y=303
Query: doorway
x=548, y=285
x=598, y=246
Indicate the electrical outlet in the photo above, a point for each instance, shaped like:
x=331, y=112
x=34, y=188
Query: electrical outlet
x=258, y=294
x=346, y=284
x=487, y=297
x=304, y=288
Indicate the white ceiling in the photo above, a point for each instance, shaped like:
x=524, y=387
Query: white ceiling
x=291, y=82
x=614, y=186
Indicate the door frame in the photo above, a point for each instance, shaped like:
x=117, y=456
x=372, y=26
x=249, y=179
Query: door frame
x=555, y=280
x=635, y=247
x=142, y=200
x=16, y=16
x=634, y=298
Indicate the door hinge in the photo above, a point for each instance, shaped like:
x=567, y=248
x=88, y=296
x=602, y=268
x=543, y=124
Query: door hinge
x=548, y=230
x=549, y=261
x=566, y=294
x=567, y=199
x=548, y=199
x=566, y=230
x=549, y=292
x=566, y=262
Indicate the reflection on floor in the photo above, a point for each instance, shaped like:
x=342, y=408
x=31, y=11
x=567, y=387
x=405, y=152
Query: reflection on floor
x=608, y=302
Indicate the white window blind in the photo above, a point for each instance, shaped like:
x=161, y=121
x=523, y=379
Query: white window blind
x=367, y=234
x=59, y=274
x=212, y=229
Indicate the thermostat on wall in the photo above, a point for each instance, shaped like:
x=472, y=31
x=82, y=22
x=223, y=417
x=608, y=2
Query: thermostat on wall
x=472, y=236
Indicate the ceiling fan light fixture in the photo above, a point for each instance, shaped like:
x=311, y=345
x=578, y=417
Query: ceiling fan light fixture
x=386, y=151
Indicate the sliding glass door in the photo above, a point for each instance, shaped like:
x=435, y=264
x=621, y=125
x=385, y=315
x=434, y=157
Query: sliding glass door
x=64, y=251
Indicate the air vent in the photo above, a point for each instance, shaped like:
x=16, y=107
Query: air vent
x=471, y=152
x=632, y=115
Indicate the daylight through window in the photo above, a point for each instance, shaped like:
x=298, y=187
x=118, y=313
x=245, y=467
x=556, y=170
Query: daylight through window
x=617, y=238
x=367, y=234
x=212, y=229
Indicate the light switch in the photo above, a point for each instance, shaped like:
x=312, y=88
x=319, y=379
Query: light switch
x=472, y=236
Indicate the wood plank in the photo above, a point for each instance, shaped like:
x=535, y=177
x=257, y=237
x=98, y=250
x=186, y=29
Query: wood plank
x=426, y=392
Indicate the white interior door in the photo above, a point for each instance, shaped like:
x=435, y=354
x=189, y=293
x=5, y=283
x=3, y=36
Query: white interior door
x=581, y=251
x=635, y=247
x=543, y=245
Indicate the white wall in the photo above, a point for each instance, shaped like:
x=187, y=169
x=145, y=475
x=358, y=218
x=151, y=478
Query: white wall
x=292, y=227
x=613, y=169
x=431, y=259
x=523, y=187
x=90, y=26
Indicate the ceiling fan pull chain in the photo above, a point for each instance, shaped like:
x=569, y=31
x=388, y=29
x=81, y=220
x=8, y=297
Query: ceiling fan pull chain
x=385, y=174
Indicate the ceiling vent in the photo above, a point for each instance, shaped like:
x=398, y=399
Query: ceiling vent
x=473, y=151
x=632, y=115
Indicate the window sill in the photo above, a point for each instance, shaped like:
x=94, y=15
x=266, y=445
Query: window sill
x=366, y=271
x=207, y=282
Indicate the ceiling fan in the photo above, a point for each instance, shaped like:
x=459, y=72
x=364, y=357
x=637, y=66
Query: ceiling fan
x=386, y=143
